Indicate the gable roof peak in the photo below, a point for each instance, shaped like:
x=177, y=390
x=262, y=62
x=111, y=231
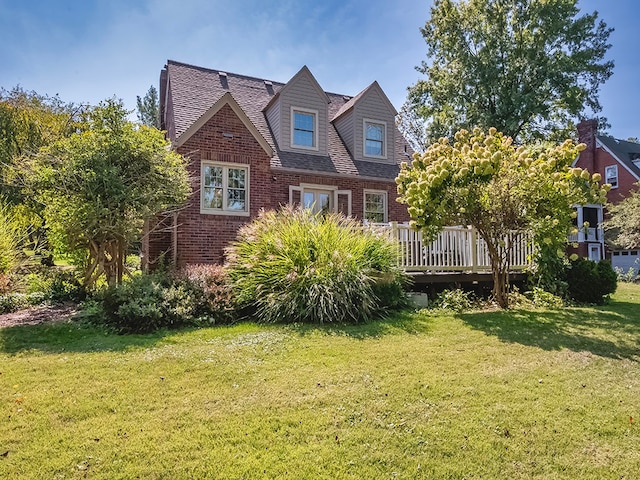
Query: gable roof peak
x=351, y=103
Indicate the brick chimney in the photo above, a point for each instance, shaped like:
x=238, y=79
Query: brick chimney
x=587, y=132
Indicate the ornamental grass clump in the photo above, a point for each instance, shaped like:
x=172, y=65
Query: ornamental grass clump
x=293, y=266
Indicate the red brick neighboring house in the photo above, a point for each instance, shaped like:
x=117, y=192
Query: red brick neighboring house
x=255, y=143
x=618, y=161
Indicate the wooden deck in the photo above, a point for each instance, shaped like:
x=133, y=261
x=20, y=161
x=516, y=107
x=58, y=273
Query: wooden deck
x=457, y=253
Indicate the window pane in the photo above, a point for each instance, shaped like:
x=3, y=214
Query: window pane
x=303, y=121
x=213, y=176
x=236, y=199
x=324, y=206
x=303, y=129
x=373, y=147
x=309, y=200
x=374, y=132
x=302, y=138
x=236, y=178
x=374, y=207
x=212, y=197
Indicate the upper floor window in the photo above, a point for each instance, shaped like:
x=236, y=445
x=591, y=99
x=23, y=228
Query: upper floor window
x=304, y=131
x=375, y=206
x=225, y=189
x=374, y=139
x=611, y=175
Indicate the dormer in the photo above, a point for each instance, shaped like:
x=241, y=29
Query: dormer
x=298, y=115
x=366, y=124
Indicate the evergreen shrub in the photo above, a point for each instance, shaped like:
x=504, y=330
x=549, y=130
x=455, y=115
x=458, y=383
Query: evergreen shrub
x=591, y=282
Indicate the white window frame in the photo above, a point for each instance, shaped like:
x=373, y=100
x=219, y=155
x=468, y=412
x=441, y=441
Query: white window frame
x=225, y=185
x=368, y=121
x=315, y=127
x=385, y=195
x=608, y=177
x=300, y=189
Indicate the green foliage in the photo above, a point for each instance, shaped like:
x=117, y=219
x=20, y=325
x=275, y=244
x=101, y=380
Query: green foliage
x=198, y=295
x=454, y=300
x=527, y=67
x=591, y=282
x=149, y=108
x=543, y=299
x=9, y=239
x=29, y=121
x=12, y=302
x=56, y=285
x=484, y=181
x=293, y=266
x=98, y=186
x=623, y=224
x=630, y=276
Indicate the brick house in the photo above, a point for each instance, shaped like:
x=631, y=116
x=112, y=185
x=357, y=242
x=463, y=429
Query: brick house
x=618, y=161
x=254, y=143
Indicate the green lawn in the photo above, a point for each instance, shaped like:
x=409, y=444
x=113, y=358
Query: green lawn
x=515, y=394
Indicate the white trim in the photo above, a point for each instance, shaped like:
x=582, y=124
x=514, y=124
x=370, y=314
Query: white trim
x=226, y=99
x=316, y=118
x=318, y=186
x=620, y=162
x=366, y=121
x=225, y=178
x=606, y=177
x=336, y=193
x=375, y=192
x=295, y=188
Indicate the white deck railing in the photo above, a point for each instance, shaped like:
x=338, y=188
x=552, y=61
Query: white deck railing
x=455, y=249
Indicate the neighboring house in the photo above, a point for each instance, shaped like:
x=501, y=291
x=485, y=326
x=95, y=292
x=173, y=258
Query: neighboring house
x=618, y=161
x=256, y=144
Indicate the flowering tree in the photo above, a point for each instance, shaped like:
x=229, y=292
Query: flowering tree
x=483, y=180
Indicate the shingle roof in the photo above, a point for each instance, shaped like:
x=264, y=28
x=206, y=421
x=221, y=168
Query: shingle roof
x=195, y=89
x=626, y=152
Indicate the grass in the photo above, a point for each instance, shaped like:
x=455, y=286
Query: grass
x=519, y=394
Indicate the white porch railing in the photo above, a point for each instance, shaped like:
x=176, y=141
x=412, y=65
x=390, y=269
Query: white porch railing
x=455, y=249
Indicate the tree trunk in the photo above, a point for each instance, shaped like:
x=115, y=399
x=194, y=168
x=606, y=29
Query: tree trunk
x=499, y=257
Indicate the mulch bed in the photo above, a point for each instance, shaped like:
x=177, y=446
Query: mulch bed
x=37, y=315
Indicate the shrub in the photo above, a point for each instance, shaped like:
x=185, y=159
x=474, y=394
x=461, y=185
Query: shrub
x=590, y=282
x=12, y=302
x=630, y=276
x=455, y=300
x=57, y=285
x=543, y=299
x=215, y=301
x=136, y=306
x=293, y=266
x=197, y=295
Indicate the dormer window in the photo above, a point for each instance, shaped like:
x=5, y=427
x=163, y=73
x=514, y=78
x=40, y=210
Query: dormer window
x=374, y=139
x=304, y=128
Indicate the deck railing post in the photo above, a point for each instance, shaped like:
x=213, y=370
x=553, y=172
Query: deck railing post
x=474, y=250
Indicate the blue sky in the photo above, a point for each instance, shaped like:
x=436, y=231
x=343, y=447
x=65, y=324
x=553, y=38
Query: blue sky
x=86, y=51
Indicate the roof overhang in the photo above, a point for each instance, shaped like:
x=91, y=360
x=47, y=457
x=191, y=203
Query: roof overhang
x=618, y=159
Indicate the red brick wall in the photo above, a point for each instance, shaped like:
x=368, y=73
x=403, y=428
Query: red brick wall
x=595, y=160
x=202, y=237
